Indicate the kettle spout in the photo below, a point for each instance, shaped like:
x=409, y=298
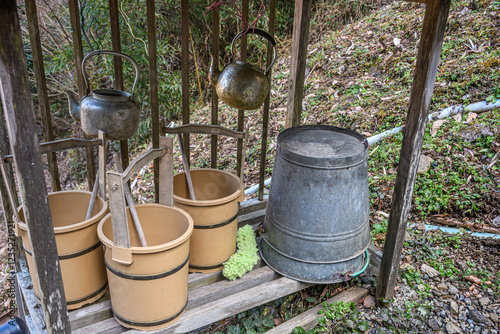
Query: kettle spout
x=213, y=73
x=74, y=105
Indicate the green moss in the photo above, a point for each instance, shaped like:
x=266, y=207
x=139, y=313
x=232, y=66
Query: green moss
x=245, y=258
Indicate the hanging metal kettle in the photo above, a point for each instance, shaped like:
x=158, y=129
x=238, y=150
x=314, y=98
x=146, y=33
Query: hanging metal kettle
x=241, y=85
x=112, y=111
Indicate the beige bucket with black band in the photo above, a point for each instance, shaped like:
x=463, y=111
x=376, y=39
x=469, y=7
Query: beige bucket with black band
x=215, y=216
x=80, y=250
x=148, y=285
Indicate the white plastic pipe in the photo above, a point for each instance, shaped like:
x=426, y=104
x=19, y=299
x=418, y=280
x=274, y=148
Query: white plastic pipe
x=254, y=189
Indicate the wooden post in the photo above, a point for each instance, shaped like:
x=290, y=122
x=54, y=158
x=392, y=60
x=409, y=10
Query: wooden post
x=76, y=35
x=114, y=18
x=43, y=95
x=241, y=113
x=215, y=98
x=300, y=41
x=153, y=84
x=436, y=14
x=18, y=108
x=185, y=70
x=265, y=115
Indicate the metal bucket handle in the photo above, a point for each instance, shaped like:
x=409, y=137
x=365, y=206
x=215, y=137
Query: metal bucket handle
x=260, y=33
x=109, y=52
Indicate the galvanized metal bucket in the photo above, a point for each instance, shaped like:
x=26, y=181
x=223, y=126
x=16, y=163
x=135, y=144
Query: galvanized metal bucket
x=317, y=218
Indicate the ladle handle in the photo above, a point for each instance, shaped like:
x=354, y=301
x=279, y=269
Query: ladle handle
x=262, y=33
x=109, y=52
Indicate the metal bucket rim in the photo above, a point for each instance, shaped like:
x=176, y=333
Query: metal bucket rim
x=319, y=162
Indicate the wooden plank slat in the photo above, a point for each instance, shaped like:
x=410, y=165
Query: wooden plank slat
x=76, y=34
x=300, y=41
x=234, y=304
x=252, y=218
x=20, y=120
x=41, y=83
x=166, y=184
x=92, y=314
x=252, y=205
x=36, y=320
x=429, y=50
x=227, y=288
x=307, y=320
x=143, y=160
x=117, y=206
x=153, y=87
x=102, y=154
x=265, y=115
x=62, y=144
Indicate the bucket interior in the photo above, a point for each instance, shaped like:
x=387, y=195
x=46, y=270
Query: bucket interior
x=160, y=224
x=208, y=184
x=69, y=207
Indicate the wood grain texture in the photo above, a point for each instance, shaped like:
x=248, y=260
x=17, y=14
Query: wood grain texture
x=215, y=130
x=102, y=154
x=436, y=14
x=307, y=320
x=74, y=15
x=166, y=183
x=300, y=42
x=121, y=235
x=43, y=94
x=21, y=127
x=153, y=86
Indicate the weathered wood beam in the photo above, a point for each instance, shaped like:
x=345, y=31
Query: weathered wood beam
x=153, y=88
x=215, y=98
x=185, y=70
x=300, y=41
x=436, y=14
x=114, y=18
x=267, y=102
x=41, y=83
x=18, y=108
x=76, y=34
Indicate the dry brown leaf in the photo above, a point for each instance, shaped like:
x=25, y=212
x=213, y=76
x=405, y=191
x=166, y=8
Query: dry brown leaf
x=458, y=117
x=473, y=279
x=471, y=117
x=435, y=126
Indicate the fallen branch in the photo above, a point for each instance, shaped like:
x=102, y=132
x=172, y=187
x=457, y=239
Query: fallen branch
x=471, y=226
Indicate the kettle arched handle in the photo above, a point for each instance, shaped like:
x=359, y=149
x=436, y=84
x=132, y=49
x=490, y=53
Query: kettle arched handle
x=262, y=33
x=109, y=52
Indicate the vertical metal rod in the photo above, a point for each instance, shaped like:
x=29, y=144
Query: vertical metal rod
x=153, y=83
x=114, y=18
x=185, y=69
x=215, y=98
x=74, y=15
x=265, y=115
x=43, y=95
x=241, y=113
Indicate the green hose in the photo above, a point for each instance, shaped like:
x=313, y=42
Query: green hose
x=365, y=266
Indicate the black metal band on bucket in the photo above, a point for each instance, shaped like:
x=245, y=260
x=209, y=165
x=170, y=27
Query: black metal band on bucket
x=207, y=267
x=224, y=223
x=72, y=255
x=83, y=299
x=145, y=277
x=150, y=323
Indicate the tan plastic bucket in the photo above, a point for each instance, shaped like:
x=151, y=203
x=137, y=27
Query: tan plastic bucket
x=215, y=215
x=151, y=292
x=80, y=251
